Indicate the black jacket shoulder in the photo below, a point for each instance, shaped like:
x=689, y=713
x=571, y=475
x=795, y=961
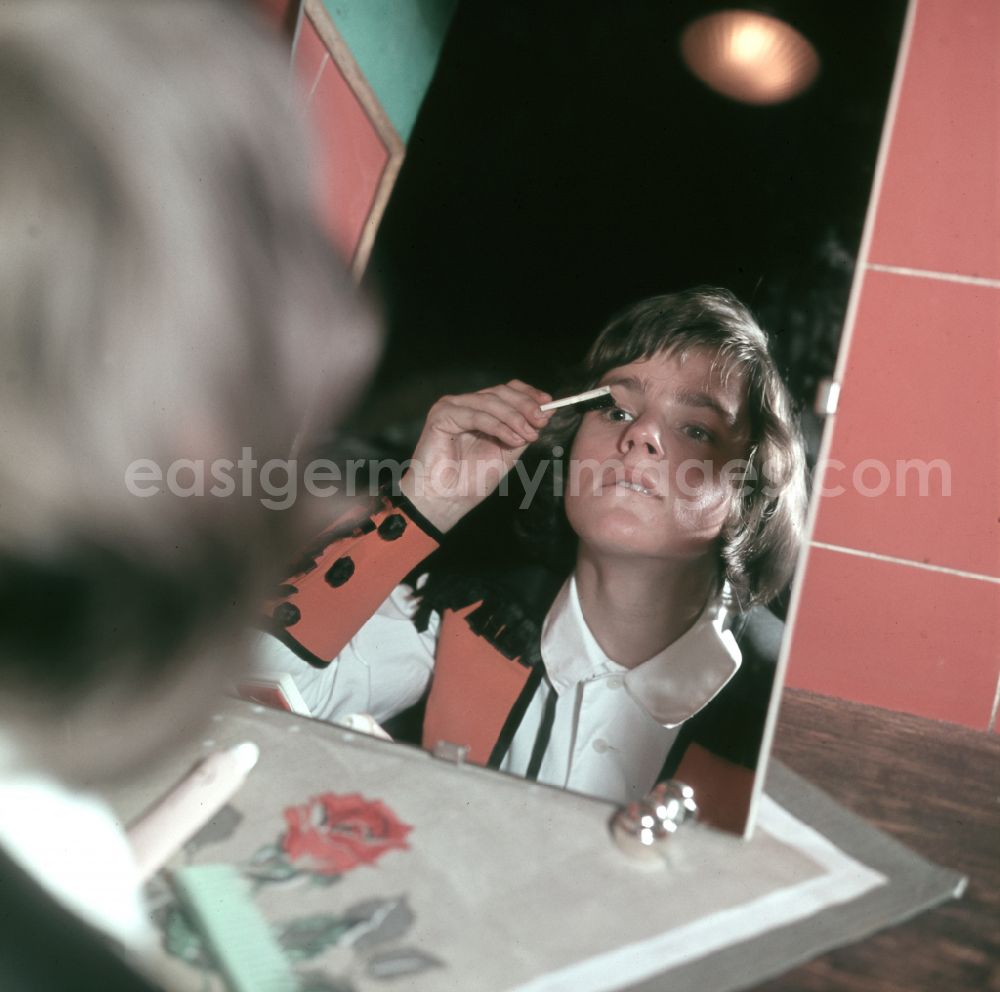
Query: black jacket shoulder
x=732, y=725
x=516, y=600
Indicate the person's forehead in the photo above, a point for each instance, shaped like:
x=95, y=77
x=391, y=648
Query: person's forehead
x=696, y=376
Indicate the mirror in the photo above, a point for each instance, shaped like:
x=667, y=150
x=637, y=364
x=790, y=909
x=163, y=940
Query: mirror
x=566, y=163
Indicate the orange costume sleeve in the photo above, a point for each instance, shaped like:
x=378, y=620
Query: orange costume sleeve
x=342, y=577
x=339, y=583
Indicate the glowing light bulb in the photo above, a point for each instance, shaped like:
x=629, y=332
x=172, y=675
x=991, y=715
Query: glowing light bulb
x=749, y=43
x=750, y=57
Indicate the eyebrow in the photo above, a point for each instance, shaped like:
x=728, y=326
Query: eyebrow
x=704, y=400
x=629, y=382
x=709, y=402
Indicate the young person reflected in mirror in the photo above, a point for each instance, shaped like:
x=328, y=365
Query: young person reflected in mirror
x=681, y=506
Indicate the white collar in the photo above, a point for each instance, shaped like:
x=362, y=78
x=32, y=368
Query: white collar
x=671, y=686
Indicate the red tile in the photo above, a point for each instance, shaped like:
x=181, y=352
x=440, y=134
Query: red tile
x=352, y=158
x=899, y=637
x=939, y=207
x=308, y=56
x=921, y=382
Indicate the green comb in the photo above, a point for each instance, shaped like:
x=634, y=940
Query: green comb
x=221, y=909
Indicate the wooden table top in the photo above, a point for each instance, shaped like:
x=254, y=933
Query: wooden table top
x=935, y=787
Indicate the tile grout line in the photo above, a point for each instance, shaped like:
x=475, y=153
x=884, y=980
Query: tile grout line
x=943, y=569
x=319, y=74
x=902, y=270
x=990, y=728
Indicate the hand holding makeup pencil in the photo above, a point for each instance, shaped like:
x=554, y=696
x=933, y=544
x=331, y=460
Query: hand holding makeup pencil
x=468, y=444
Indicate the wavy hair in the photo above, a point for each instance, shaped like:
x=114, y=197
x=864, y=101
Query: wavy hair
x=761, y=536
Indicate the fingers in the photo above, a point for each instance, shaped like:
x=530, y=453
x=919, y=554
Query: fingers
x=510, y=413
x=539, y=395
x=461, y=414
x=523, y=398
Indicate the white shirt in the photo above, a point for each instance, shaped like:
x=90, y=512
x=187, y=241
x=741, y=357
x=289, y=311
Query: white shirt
x=613, y=726
x=72, y=844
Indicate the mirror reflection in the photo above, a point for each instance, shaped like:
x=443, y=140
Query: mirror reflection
x=592, y=598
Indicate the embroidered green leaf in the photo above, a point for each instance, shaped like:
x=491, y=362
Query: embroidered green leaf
x=269, y=864
x=311, y=935
x=404, y=961
x=182, y=941
x=324, y=881
x=316, y=981
x=378, y=921
x=221, y=827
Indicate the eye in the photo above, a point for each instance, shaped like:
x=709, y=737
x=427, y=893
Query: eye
x=698, y=433
x=619, y=416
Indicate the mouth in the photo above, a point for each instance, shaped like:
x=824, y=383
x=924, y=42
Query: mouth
x=636, y=488
x=616, y=477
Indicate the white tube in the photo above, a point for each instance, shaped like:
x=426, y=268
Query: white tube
x=189, y=805
x=590, y=394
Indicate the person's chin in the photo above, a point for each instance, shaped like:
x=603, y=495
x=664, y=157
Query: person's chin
x=620, y=530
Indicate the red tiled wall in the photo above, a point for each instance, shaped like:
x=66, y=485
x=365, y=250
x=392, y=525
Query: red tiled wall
x=351, y=154
x=900, y=601
x=939, y=206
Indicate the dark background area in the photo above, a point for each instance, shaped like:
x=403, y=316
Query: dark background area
x=566, y=163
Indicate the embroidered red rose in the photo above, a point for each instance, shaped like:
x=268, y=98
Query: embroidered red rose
x=331, y=834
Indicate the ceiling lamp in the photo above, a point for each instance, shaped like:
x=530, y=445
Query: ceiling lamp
x=748, y=56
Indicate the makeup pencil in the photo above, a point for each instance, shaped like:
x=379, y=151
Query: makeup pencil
x=592, y=399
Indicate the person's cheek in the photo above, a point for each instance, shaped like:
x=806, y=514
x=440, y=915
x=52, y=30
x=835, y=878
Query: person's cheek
x=585, y=468
x=693, y=478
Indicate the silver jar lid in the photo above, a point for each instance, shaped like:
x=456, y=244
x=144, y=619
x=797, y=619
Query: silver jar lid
x=643, y=827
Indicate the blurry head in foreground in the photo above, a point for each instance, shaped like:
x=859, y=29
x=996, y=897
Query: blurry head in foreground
x=167, y=300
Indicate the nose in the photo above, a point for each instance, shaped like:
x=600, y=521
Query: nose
x=642, y=437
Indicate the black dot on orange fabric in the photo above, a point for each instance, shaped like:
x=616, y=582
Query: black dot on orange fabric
x=340, y=571
x=392, y=527
x=286, y=614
